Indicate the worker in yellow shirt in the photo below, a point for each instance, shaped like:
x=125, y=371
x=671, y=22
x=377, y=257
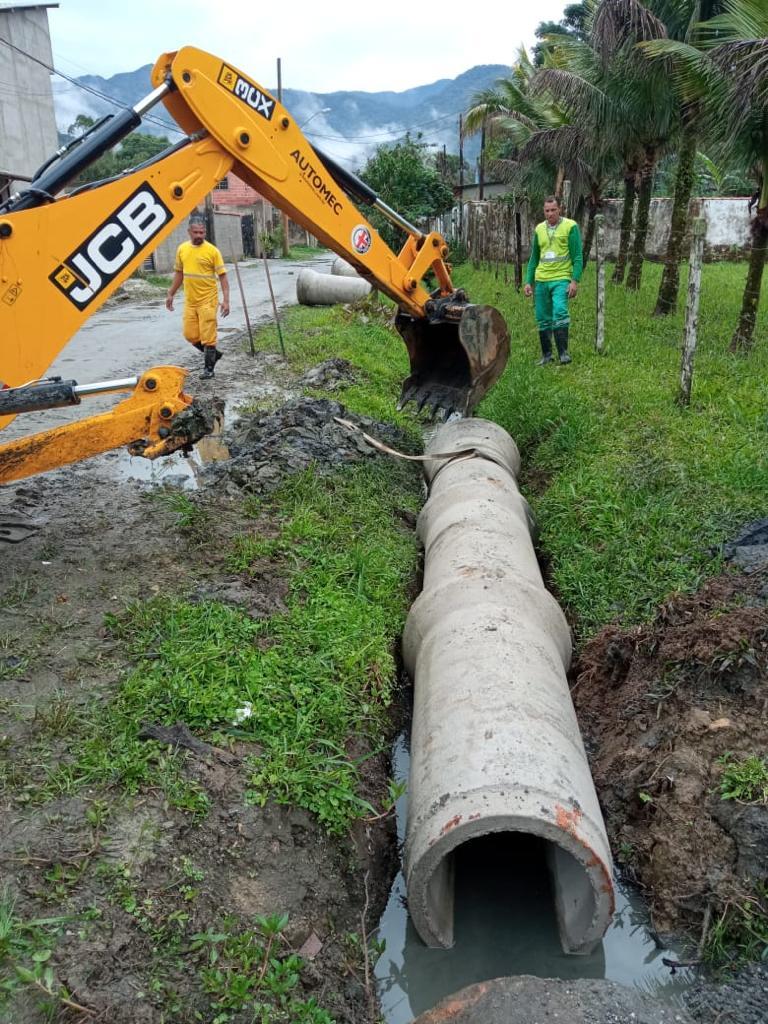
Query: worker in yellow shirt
x=198, y=266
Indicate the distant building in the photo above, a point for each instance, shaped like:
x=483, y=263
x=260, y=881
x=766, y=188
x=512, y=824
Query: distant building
x=471, y=192
x=232, y=192
x=27, y=123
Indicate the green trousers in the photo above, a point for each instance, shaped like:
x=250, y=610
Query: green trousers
x=551, y=298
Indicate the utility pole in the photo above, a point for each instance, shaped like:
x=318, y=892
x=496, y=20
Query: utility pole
x=461, y=176
x=481, y=189
x=286, y=244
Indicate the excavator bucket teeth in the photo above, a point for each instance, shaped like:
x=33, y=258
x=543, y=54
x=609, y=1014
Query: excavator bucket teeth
x=455, y=361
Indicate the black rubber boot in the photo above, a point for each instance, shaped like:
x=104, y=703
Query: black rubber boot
x=545, y=337
x=219, y=355
x=198, y=345
x=561, y=340
x=210, y=362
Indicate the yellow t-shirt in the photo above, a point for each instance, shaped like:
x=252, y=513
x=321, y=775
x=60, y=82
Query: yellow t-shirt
x=201, y=265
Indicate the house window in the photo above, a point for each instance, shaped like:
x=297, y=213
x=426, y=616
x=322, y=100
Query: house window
x=222, y=185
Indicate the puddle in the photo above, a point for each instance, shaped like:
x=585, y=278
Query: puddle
x=505, y=925
x=178, y=469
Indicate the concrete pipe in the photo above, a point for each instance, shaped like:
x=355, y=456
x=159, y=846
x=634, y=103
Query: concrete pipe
x=495, y=746
x=341, y=268
x=314, y=289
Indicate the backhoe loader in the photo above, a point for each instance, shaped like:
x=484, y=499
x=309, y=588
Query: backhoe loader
x=62, y=254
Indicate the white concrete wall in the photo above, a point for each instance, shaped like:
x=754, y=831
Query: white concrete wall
x=27, y=123
x=727, y=223
x=727, y=231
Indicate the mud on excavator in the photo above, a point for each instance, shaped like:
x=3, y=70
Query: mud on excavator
x=63, y=255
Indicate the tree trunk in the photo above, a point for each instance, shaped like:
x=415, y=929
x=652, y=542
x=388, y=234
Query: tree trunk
x=518, y=248
x=627, y=214
x=559, y=180
x=641, y=223
x=670, y=279
x=743, y=338
x=692, y=312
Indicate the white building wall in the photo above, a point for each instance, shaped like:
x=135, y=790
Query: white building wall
x=27, y=123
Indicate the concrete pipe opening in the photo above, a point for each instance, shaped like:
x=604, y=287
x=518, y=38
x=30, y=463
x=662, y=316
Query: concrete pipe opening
x=556, y=886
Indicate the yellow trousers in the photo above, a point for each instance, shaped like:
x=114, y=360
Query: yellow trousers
x=200, y=323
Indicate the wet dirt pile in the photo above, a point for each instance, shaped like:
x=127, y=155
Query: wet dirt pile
x=265, y=448
x=665, y=710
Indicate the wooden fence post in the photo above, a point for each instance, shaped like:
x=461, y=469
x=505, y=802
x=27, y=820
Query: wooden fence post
x=691, y=311
x=600, y=265
x=518, y=247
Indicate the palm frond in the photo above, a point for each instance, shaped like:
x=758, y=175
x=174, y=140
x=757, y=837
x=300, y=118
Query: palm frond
x=742, y=19
x=691, y=71
x=580, y=97
x=618, y=22
x=557, y=144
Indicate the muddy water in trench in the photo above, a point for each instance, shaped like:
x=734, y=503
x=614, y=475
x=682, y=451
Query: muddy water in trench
x=504, y=925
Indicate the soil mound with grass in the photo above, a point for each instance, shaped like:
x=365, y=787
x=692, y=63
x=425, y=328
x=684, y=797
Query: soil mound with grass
x=672, y=714
x=266, y=448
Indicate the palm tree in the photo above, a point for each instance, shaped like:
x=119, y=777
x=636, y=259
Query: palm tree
x=728, y=71
x=577, y=154
x=644, y=98
x=624, y=102
x=509, y=115
x=680, y=18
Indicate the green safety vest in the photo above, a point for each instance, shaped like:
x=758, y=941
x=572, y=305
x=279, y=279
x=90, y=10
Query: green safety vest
x=555, y=263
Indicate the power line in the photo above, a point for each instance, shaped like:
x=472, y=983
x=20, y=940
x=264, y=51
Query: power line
x=87, y=88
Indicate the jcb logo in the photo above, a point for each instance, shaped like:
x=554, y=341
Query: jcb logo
x=246, y=91
x=101, y=257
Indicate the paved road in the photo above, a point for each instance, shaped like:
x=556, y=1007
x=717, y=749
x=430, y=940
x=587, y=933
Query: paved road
x=124, y=339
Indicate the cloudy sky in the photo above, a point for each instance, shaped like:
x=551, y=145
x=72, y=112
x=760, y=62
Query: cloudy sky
x=325, y=45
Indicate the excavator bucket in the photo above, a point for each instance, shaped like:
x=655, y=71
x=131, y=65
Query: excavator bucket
x=456, y=356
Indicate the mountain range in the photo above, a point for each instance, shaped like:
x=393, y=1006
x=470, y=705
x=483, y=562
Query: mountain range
x=347, y=125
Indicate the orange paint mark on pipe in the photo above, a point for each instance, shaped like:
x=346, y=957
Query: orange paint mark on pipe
x=452, y=823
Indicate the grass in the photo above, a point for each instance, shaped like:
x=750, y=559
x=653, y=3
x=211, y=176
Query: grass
x=303, y=252
x=158, y=280
x=739, y=935
x=26, y=947
x=313, y=678
x=634, y=495
x=745, y=780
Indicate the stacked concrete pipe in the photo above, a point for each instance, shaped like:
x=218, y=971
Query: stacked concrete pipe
x=495, y=746
x=340, y=268
x=313, y=289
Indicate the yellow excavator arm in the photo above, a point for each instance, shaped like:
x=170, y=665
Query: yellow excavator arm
x=63, y=255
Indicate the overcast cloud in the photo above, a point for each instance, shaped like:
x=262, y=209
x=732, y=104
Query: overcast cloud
x=339, y=44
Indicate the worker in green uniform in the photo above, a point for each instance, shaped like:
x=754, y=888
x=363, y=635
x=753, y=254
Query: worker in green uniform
x=554, y=272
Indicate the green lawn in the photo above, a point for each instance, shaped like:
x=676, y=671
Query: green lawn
x=631, y=491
